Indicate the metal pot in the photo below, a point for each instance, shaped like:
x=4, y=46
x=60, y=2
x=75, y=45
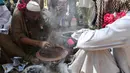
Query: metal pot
x=53, y=53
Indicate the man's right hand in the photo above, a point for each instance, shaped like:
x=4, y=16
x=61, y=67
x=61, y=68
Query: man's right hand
x=43, y=44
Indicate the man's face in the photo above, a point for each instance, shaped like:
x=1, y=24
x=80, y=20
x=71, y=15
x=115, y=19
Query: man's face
x=32, y=15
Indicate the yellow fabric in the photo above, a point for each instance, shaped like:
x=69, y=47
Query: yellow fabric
x=46, y=4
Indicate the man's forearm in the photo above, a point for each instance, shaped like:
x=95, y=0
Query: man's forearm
x=100, y=39
x=29, y=41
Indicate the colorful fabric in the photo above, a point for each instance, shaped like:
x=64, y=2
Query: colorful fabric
x=1, y=2
x=107, y=6
x=110, y=18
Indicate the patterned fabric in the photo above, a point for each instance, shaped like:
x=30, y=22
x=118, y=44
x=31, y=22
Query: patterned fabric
x=100, y=6
x=108, y=6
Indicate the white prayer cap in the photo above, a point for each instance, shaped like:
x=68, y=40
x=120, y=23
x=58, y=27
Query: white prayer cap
x=33, y=6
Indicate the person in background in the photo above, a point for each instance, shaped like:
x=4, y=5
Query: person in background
x=1, y=2
x=86, y=8
x=11, y=4
x=5, y=22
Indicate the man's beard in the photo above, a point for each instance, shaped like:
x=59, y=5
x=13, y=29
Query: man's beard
x=33, y=21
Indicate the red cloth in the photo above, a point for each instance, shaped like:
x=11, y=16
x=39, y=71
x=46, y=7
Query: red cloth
x=22, y=6
x=70, y=42
x=110, y=18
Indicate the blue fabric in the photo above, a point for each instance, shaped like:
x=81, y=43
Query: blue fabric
x=1, y=2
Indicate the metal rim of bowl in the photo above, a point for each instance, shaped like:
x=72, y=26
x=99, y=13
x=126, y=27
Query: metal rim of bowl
x=63, y=55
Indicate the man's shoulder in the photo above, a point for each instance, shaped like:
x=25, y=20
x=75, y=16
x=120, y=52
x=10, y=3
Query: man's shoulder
x=17, y=13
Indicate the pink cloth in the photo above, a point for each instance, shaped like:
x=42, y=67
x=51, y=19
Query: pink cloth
x=70, y=41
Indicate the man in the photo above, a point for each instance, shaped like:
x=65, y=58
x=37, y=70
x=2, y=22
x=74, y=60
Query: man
x=28, y=32
x=93, y=56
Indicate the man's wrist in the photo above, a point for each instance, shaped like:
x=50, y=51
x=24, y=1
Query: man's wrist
x=38, y=43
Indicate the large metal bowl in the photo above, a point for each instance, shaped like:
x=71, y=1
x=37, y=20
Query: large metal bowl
x=52, y=53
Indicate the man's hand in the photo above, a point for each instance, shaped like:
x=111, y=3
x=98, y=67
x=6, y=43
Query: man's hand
x=43, y=44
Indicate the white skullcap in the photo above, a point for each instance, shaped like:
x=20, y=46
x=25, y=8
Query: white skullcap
x=33, y=6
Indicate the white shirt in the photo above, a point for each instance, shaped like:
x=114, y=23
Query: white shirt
x=95, y=43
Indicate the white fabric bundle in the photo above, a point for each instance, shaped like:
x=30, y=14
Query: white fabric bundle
x=5, y=19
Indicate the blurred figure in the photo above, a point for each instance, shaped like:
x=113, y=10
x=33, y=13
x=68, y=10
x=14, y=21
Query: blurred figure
x=58, y=9
x=5, y=22
x=86, y=8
